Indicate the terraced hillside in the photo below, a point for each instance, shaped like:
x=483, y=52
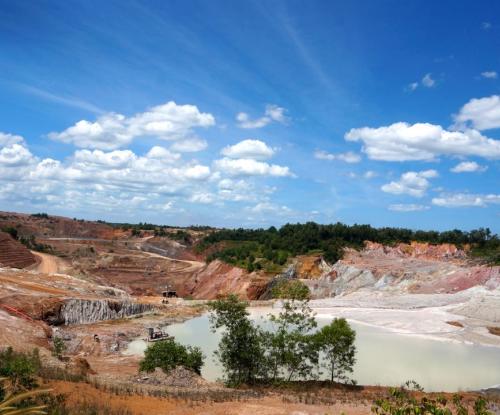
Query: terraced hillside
x=14, y=254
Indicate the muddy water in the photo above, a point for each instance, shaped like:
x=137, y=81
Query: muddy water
x=383, y=357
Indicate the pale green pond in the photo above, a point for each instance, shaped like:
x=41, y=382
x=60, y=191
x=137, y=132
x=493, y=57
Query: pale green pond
x=383, y=357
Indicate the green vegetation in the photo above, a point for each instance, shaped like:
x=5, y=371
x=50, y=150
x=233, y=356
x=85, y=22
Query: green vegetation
x=402, y=401
x=58, y=347
x=291, y=289
x=336, y=342
x=168, y=354
x=20, y=368
x=270, y=248
x=11, y=231
x=289, y=351
x=31, y=243
x=240, y=349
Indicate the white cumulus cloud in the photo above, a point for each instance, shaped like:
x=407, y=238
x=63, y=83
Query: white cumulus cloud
x=110, y=131
x=249, y=149
x=250, y=167
x=411, y=183
x=458, y=200
x=480, y=113
x=468, y=167
x=422, y=141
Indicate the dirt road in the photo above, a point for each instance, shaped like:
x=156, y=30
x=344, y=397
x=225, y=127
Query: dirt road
x=49, y=264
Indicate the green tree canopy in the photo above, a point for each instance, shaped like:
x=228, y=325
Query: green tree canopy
x=168, y=354
x=336, y=343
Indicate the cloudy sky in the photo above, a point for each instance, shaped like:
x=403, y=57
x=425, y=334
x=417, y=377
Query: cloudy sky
x=252, y=113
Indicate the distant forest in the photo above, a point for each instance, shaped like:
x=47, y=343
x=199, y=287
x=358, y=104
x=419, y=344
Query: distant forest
x=270, y=248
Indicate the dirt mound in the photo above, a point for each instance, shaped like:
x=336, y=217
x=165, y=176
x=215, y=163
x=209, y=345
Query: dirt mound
x=55, y=226
x=421, y=250
x=179, y=377
x=14, y=254
x=219, y=278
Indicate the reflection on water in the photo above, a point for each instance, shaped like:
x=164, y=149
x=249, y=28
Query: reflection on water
x=383, y=358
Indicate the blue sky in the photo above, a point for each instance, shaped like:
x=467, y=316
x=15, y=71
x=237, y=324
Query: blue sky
x=252, y=113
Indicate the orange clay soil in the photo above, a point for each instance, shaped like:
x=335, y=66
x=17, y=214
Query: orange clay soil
x=308, y=398
x=273, y=404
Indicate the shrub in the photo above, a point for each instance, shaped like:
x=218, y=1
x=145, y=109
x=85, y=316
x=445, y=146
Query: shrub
x=291, y=289
x=402, y=401
x=59, y=347
x=168, y=354
x=19, y=368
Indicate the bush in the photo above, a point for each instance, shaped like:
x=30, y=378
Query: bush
x=291, y=289
x=402, y=401
x=19, y=368
x=168, y=354
x=59, y=347
x=11, y=231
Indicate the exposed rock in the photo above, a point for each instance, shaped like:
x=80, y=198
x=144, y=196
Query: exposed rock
x=82, y=311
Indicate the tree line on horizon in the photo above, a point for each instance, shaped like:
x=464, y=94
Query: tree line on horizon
x=267, y=248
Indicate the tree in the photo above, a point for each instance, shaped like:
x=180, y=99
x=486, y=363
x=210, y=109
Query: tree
x=240, y=349
x=336, y=342
x=290, y=348
x=168, y=354
x=291, y=290
x=59, y=347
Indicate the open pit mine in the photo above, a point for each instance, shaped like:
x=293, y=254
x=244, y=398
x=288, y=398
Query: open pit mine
x=100, y=288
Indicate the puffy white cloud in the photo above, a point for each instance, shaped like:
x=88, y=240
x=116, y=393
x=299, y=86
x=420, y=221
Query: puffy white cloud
x=111, y=131
x=15, y=155
x=489, y=74
x=250, y=167
x=349, y=157
x=370, y=174
x=480, y=113
x=410, y=207
x=272, y=113
x=190, y=145
x=411, y=183
x=123, y=180
x=163, y=154
x=248, y=149
x=457, y=200
x=113, y=159
x=427, y=81
x=7, y=140
x=422, y=141
x=468, y=167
